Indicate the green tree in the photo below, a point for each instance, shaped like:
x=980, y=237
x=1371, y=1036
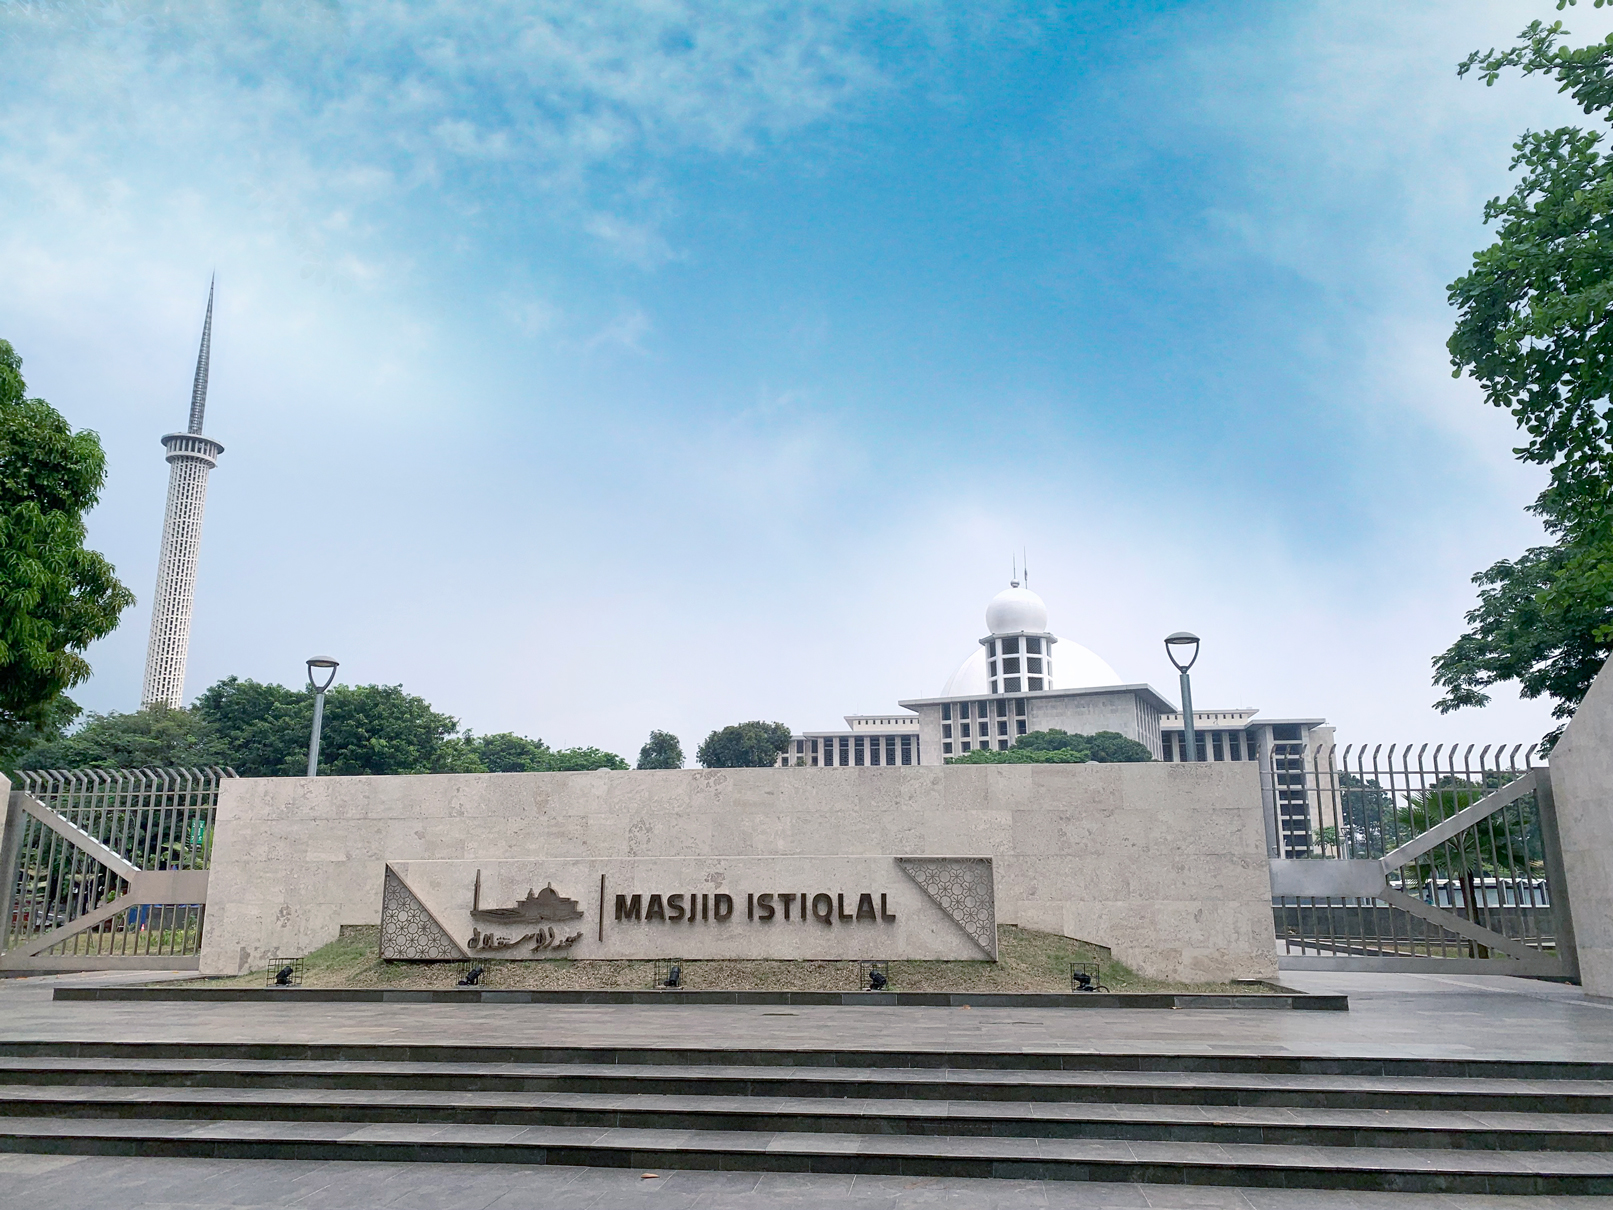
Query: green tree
x=56, y=597
x=368, y=729
x=506, y=752
x=263, y=728
x=1532, y=330
x=572, y=760
x=663, y=751
x=1507, y=844
x=752, y=745
x=16, y=742
x=155, y=737
x=510, y=753
x=1058, y=747
x=262, y=731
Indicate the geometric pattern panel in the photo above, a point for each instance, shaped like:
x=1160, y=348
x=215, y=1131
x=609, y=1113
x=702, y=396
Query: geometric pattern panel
x=963, y=888
x=408, y=930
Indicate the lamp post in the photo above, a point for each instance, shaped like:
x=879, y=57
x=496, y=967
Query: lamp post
x=325, y=664
x=1190, y=644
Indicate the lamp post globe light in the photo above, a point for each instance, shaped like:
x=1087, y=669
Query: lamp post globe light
x=1188, y=643
x=328, y=666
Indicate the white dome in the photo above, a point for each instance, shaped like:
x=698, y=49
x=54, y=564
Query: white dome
x=1074, y=667
x=1016, y=610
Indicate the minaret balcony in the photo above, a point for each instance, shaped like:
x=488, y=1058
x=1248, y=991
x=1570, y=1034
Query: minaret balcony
x=192, y=446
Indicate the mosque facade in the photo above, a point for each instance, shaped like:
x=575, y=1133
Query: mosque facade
x=1023, y=678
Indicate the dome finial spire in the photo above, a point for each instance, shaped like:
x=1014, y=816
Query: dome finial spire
x=1013, y=580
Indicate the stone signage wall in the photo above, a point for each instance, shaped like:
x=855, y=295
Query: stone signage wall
x=691, y=907
x=1163, y=863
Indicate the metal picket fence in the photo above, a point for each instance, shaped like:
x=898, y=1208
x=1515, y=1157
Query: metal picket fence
x=106, y=867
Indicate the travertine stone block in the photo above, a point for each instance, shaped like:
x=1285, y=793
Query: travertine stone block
x=1164, y=864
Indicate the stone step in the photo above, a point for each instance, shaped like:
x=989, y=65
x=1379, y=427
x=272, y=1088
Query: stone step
x=1475, y=1129
x=838, y=1058
x=1247, y=1165
x=1334, y=1092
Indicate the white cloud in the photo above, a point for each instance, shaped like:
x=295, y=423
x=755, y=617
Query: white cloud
x=311, y=109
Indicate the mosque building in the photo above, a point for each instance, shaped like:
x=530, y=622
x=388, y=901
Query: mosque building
x=1022, y=678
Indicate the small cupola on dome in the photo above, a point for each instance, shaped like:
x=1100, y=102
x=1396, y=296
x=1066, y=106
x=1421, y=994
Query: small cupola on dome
x=1016, y=610
x=1019, y=649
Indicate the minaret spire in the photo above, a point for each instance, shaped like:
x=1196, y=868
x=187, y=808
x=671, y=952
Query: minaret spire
x=198, y=392
x=190, y=457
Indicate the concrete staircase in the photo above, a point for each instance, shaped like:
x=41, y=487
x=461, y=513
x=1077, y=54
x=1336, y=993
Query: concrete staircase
x=1252, y=1121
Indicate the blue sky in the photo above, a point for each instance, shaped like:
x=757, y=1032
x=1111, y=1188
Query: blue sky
x=589, y=368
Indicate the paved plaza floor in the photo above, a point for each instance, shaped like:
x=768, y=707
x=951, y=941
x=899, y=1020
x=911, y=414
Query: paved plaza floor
x=1456, y=1016
x=1423, y=1016
x=43, y=1182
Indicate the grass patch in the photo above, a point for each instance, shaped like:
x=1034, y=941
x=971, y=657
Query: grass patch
x=1028, y=961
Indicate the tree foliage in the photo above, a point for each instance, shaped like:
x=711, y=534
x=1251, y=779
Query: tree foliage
x=661, y=751
x=263, y=730
x=1058, y=747
x=1533, y=331
x=752, y=745
x=155, y=737
x=56, y=597
x=506, y=752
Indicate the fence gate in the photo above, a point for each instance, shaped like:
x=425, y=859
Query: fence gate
x=1404, y=860
x=102, y=869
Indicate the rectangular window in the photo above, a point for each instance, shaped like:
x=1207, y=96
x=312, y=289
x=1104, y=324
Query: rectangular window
x=1019, y=707
x=800, y=746
x=1166, y=746
x=965, y=745
x=859, y=750
x=1033, y=646
x=1033, y=683
x=964, y=731
x=982, y=709
x=1010, y=646
x=1019, y=726
x=1011, y=684
x=845, y=750
x=947, y=748
x=994, y=686
x=946, y=711
x=890, y=749
x=991, y=668
x=1002, y=707
x=1002, y=745
x=946, y=730
x=907, y=749
x=814, y=760
x=1002, y=726
x=1233, y=746
x=1011, y=664
x=814, y=747
x=1215, y=740
x=991, y=648
x=1033, y=663
x=873, y=750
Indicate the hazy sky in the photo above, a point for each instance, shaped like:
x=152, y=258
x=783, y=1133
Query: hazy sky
x=594, y=367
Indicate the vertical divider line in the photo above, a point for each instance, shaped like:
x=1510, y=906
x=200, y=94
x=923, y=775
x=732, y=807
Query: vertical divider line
x=602, y=909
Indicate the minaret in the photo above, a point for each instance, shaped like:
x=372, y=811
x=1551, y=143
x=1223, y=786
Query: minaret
x=190, y=457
